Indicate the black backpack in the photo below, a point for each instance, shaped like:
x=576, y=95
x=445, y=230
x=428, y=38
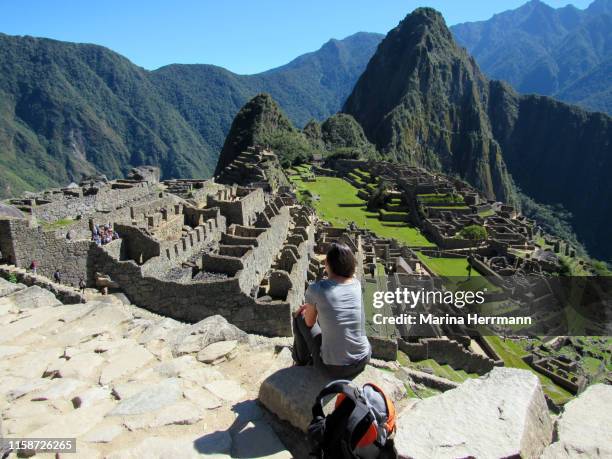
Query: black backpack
x=359, y=427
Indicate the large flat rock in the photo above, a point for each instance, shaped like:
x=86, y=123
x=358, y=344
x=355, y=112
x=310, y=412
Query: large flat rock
x=194, y=338
x=290, y=392
x=31, y=297
x=124, y=363
x=502, y=414
x=218, y=352
x=152, y=398
x=585, y=428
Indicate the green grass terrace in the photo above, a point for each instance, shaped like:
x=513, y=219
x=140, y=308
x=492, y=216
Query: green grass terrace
x=336, y=201
x=511, y=353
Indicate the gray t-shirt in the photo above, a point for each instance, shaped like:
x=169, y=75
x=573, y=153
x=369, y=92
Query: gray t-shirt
x=342, y=321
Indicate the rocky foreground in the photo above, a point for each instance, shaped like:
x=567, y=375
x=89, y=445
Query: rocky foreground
x=129, y=384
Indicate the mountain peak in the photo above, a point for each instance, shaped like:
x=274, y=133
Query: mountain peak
x=258, y=117
x=433, y=100
x=424, y=16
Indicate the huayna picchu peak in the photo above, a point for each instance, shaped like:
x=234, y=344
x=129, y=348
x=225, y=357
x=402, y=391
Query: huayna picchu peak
x=423, y=100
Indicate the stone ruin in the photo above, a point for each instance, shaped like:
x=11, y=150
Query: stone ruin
x=239, y=252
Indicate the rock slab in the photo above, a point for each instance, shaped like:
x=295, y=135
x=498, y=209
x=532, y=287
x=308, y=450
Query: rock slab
x=584, y=429
x=502, y=414
x=290, y=392
x=150, y=399
x=217, y=352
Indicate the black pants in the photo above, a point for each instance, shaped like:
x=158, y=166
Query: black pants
x=307, y=351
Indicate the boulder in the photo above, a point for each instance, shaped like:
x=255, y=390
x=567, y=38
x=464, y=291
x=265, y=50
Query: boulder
x=290, y=392
x=159, y=330
x=502, y=414
x=105, y=281
x=196, y=337
x=584, y=428
x=218, y=352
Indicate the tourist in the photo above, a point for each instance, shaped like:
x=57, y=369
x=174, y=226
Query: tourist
x=82, y=285
x=34, y=267
x=57, y=276
x=329, y=329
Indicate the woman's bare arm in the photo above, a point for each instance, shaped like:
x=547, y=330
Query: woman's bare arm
x=310, y=314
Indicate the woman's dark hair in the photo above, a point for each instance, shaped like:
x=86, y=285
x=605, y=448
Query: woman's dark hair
x=341, y=260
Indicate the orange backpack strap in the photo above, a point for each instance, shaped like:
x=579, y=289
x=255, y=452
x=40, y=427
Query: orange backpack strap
x=391, y=416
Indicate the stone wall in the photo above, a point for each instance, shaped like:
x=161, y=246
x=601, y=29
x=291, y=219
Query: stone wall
x=238, y=205
x=7, y=250
x=65, y=294
x=445, y=351
x=173, y=253
x=258, y=262
x=137, y=244
x=194, y=301
x=383, y=348
x=140, y=264
x=29, y=243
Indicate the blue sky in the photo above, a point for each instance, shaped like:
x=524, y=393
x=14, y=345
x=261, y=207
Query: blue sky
x=245, y=36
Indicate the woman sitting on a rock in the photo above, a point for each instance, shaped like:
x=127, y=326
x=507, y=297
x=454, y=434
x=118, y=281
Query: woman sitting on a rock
x=329, y=329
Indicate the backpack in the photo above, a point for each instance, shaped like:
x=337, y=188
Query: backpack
x=359, y=427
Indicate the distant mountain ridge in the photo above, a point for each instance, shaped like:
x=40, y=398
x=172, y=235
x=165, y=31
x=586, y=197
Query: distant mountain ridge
x=565, y=53
x=68, y=109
